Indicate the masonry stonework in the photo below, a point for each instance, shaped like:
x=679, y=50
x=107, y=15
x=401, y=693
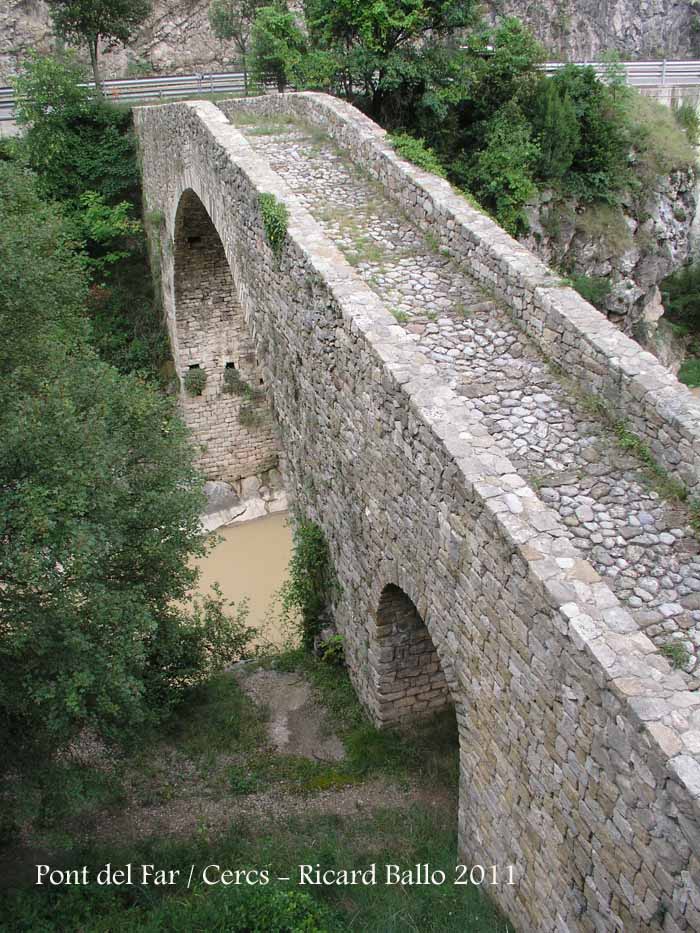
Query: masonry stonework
x=211, y=334
x=579, y=746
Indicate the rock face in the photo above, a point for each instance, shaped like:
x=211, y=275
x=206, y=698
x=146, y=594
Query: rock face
x=175, y=38
x=633, y=247
x=581, y=29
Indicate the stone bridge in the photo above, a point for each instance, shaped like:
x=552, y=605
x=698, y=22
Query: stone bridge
x=497, y=471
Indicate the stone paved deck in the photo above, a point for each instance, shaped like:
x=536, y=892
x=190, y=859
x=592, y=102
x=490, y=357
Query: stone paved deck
x=641, y=544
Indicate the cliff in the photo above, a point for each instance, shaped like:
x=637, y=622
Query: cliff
x=175, y=38
x=577, y=30
x=618, y=255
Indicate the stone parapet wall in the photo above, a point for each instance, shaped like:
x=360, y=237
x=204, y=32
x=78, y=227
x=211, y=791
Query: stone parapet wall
x=570, y=331
x=579, y=746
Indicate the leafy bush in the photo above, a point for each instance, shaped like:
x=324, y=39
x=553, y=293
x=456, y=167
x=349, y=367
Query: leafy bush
x=75, y=142
x=311, y=581
x=599, y=169
x=556, y=129
x=502, y=174
x=195, y=381
x=275, y=218
x=689, y=373
x=415, y=150
x=680, y=292
x=278, y=46
x=83, y=152
x=235, y=384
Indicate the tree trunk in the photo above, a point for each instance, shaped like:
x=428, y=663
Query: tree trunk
x=245, y=73
x=95, y=64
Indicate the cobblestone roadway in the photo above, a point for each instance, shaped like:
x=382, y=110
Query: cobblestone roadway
x=640, y=544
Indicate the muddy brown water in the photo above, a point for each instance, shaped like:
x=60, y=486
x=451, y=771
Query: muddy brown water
x=251, y=560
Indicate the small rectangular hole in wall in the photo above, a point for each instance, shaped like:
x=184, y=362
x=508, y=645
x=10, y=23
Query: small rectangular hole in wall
x=230, y=365
x=194, y=366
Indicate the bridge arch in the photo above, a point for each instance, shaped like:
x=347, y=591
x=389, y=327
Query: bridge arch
x=407, y=674
x=231, y=419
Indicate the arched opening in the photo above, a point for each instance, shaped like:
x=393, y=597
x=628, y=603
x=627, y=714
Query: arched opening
x=228, y=413
x=409, y=681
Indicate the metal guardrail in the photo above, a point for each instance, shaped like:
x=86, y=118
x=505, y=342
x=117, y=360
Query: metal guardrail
x=143, y=89
x=646, y=74
x=639, y=74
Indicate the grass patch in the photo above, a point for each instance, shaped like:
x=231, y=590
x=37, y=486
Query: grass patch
x=661, y=145
x=607, y=223
x=659, y=479
x=216, y=717
x=364, y=249
x=426, y=751
x=400, y=316
x=676, y=653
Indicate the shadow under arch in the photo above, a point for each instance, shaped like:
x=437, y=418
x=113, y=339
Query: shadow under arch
x=408, y=678
x=230, y=420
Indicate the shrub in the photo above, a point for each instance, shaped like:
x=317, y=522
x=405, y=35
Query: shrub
x=501, y=176
x=234, y=384
x=195, y=381
x=687, y=116
x=415, y=150
x=599, y=168
x=275, y=218
x=557, y=130
x=681, y=297
x=311, y=581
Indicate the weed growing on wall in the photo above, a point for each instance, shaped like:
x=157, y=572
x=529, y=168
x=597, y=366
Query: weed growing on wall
x=311, y=581
x=275, y=218
x=195, y=381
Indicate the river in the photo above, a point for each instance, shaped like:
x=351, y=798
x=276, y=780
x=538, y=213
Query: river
x=251, y=561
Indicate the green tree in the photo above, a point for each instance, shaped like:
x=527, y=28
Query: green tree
x=74, y=142
x=600, y=166
x=83, y=151
x=233, y=19
x=502, y=174
x=91, y=22
x=380, y=48
x=99, y=505
x=278, y=46
x=556, y=127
